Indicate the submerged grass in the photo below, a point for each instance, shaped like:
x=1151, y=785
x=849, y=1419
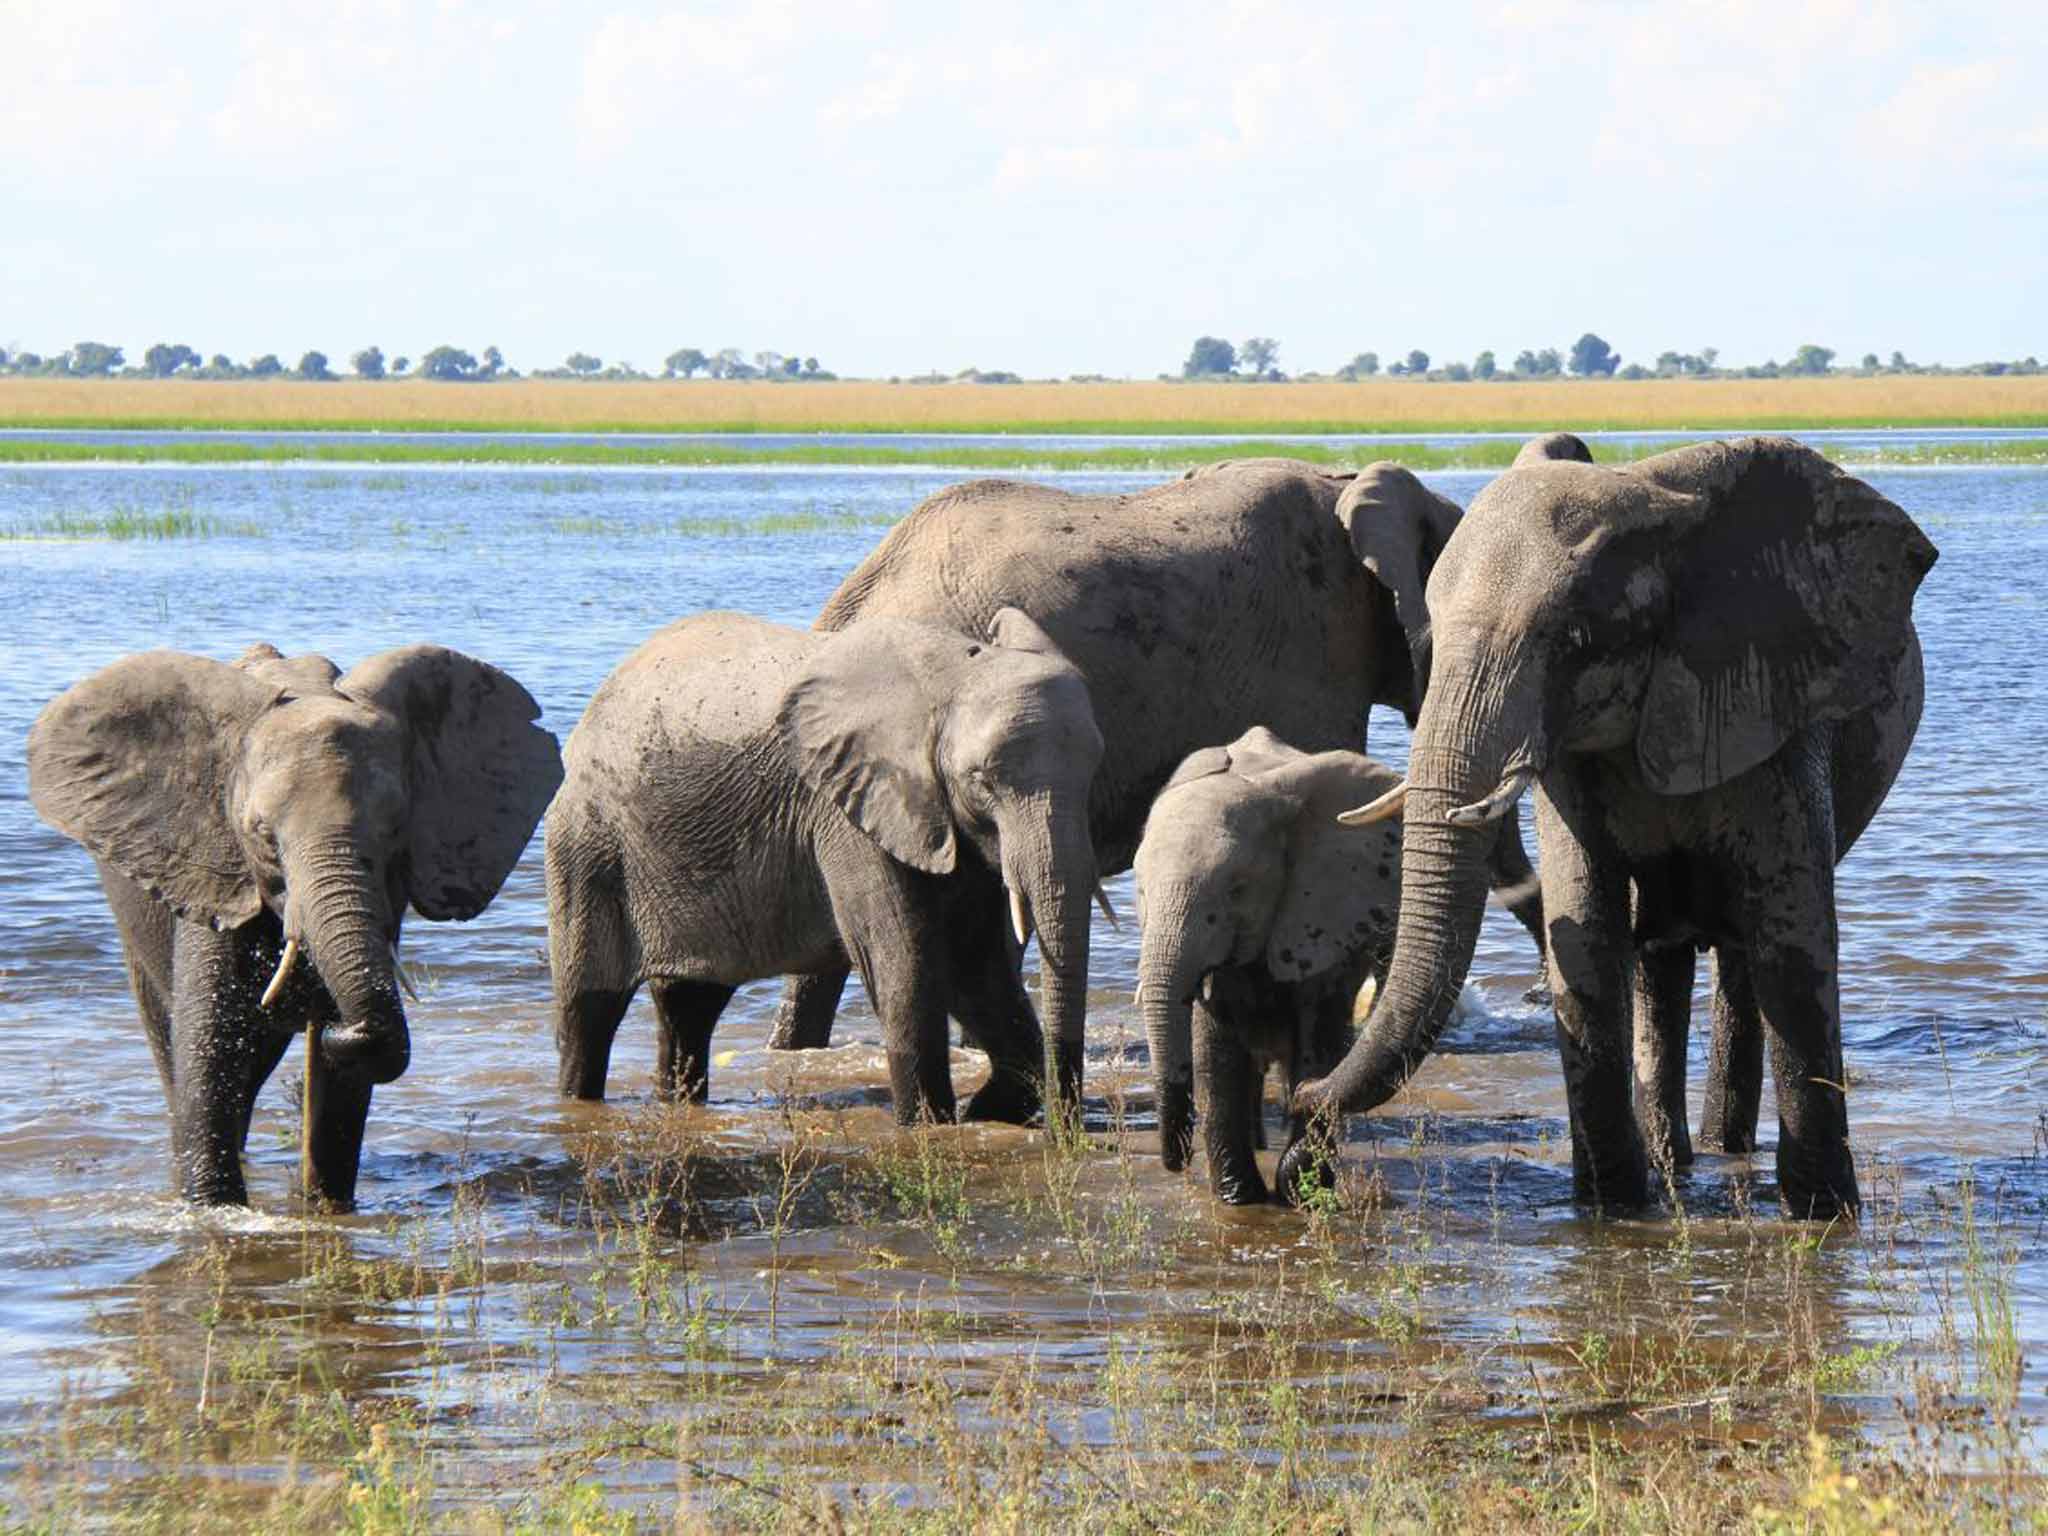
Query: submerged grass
x=126, y=521
x=801, y=1327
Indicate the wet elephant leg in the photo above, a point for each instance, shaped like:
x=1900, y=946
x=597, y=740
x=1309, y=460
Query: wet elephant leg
x=218, y=1043
x=803, y=1019
x=1735, y=1058
x=995, y=1013
x=893, y=926
x=685, y=1013
x=1223, y=1067
x=337, y=1110
x=585, y=1025
x=1663, y=1019
x=1586, y=908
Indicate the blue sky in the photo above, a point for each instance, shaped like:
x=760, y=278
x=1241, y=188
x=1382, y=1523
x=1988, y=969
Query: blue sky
x=1042, y=187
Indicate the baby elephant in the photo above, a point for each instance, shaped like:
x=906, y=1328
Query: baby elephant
x=747, y=800
x=1261, y=917
x=260, y=830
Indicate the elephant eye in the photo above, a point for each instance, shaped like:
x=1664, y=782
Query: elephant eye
x=1578, y=637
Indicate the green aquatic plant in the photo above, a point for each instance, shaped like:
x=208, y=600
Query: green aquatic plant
x=127, y=521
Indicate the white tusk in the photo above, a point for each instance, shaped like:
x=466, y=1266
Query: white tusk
x=1209, y=987
x=1388, y=805
x=1495, y=805
x=1108, y=911
x=1138, y=997
x=284, y=970
x=404, y=980
x=1020, y=920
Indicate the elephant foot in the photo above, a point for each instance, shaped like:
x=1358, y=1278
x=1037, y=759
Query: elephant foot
x=1618, y=1193
x=1010, y=1097
x=1239, y=1186
x=1827, y=1194
x=1307, y=1163
x=374, y=1052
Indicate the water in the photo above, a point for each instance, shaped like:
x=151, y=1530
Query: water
x=555, y=576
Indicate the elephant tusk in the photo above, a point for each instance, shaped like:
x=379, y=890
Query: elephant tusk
x=1387, y=806
x=1020, y=918
x=1495, y=805
x=398, y=968
x=1138, y=997
x=284, y=970
x=1108, y=911
x=1209, y=987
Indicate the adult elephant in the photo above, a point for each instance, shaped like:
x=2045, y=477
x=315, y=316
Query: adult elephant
x=244, y=816
x=1706, y=663
x=1258, y=592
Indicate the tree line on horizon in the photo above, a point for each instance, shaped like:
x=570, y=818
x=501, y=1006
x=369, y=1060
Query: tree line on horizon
x=175, y=360
x=1211, y=358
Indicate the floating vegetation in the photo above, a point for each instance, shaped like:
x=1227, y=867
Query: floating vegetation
x=124, y=521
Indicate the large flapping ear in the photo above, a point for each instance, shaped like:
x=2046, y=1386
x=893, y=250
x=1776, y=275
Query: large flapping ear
x=481, y=770
x=1343, y=884
x=1398, y=526
x=136, y=762
x=1792, y=604
x=861, y=722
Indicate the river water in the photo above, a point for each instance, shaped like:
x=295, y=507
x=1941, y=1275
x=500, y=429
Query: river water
x=555, y=575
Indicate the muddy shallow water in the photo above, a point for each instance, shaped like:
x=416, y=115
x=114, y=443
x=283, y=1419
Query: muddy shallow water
x=787, y=1222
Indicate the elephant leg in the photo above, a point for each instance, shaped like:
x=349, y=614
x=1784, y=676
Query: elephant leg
x=1586, y=907
x=893, y=929
x=221, y=1051
x=685, y=1012
x=337, y=1110
x=1735, y=1058
x=1792, y=969
x=586, y=1022
x=1514, y=880
x=1223, y=1067
x=148, y=933
x=803, y=1019
x=995, y=1014
x=1663, y=1013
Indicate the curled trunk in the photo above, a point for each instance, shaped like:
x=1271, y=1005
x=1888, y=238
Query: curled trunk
x=339, y=915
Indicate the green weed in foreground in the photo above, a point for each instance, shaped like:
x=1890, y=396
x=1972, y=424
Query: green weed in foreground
x=124, y=521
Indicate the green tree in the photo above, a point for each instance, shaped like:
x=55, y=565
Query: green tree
x=582, y=362
x=1363, y=366
x=1898, y=364
x=447, y=363
x=400, y=364
x=368, y=363
x=266, y=366
x=1210, y=357
x=1417, y=362
x=166, y=358
x=493, y=364
x=1457, y=373
x=1810, y=360
x=1593, y=358
x=314, y=366
x=683, y=362
x=1259, y=354
x=94, y=359
x=1484, y=367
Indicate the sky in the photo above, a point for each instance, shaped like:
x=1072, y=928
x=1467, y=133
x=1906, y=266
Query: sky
x=1025, y=184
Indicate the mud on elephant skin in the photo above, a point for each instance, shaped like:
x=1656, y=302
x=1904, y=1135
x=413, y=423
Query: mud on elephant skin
x=1256, y=592
x=1261, y=918
x=1697, y=660
x=260, y=829
x=747, y=800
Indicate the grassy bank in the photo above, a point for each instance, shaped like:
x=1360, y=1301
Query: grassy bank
x=1380, y=405
x=1168, y=458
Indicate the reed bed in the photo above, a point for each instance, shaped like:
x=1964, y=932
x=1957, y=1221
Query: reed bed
x=1130, y=406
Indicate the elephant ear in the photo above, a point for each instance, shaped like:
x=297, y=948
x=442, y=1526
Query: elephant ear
x=1342, y=886
x=136, y=763
x=1398, y=526
x=1553, y=447
x=300, y=676
x=1793, y=603
x=861, y=722
x=1012, y=629
x=481, y=770
x=1202, y=763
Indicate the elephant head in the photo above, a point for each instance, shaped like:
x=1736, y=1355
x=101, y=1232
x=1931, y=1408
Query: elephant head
x=1683, y=618
x=330, y=801
x=925, y=739
x=1243, y=862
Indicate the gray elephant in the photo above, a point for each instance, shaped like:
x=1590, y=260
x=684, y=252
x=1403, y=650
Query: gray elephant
x=246, y=816
x=1706, y=663
x=1262, y=917
x=746, y=800
x=1265, y=592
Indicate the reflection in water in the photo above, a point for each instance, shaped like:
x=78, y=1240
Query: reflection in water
x=522, y=1267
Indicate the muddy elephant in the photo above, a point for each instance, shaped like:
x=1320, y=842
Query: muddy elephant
x=1707, y=666
x=745, y=800
x=1262, y=592
x=1261, y=917
x=246, y=817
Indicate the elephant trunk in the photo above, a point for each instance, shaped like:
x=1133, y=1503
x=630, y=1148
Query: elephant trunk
x=337, y=912
x=1052, y=870
x=1471, y=753
x=1169, y=971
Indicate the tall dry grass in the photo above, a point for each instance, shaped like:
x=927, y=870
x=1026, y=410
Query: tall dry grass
x=705, y=404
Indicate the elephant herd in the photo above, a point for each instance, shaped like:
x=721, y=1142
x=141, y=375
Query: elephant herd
x=1703, y=663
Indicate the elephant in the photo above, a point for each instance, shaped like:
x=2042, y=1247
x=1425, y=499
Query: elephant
x=744, y=800
x=245, y=816
x=1260, y=917
x=1260, y=592
x=1706, y=664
